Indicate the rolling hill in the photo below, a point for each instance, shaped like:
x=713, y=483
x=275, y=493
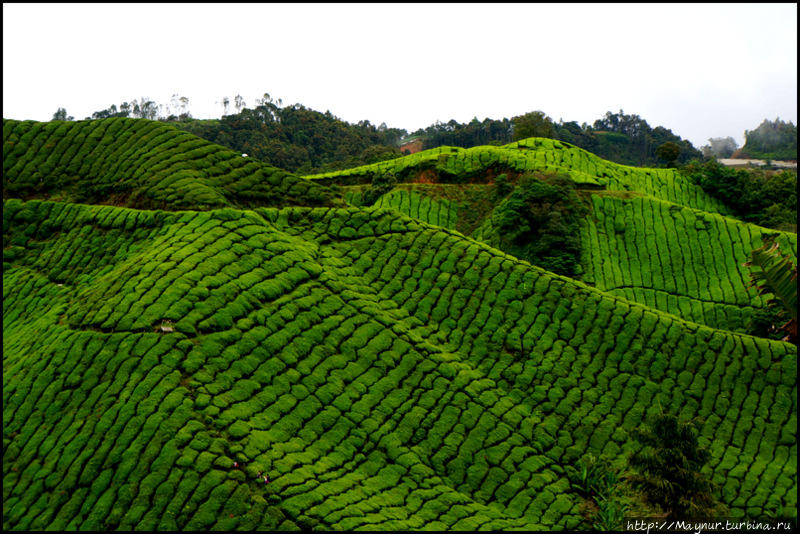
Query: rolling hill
x=141, y=164
x=386, y=372
x=651, y=235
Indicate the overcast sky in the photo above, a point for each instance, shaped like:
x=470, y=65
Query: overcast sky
x=700, y=70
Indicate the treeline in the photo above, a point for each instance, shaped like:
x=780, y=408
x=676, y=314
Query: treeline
x=306, y=141
x=299, y=139
x=618, y=137
x=761, y=197
x=293, y=138
x=771, y=140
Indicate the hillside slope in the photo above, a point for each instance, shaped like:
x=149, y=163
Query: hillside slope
x=386, y=373
x=143, y=164
x=483, y=163
x=679, y=260
x=651, y=235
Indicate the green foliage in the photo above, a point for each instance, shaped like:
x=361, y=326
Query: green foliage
x=767, y=323
x=61, y=115
x=599, y=482
x=152, y=166
x=682, y=261
x=766, y=199
x=590, y=475
x=618, y=137
x=646, y=239
x=381, y=185
x=776, y=275
x=302, y=140
x=772, y=140
x=502, y=187
x=298, y=139
x=668, y=468
x=628, y=139
x=610, y=514
x=668, y=152
x=533, y=124
x=386, y=373
x=720, y=147
x=477, y=165
x=539, y=222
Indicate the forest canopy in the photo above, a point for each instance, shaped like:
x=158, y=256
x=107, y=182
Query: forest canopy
x=302, y=140
x=771, y=140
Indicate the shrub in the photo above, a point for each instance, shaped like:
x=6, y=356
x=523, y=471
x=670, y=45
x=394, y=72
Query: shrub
x=501, y=187
x=668, y=468
x=777, y=276
x=540, y=222
x=381, y=184
x=764, y=322
x=754, y=196
x=597, y=480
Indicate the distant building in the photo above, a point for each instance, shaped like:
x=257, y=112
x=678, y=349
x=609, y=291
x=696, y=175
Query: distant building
x=741, y=162
x=411, y=146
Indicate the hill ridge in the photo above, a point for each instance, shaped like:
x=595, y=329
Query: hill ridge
x=385, y=372
x=141, y=163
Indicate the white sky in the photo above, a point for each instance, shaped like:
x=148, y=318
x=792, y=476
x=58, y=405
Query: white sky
x=701, y=70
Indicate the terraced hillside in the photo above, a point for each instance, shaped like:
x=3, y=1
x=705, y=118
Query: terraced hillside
x=143, y=164
x=679, y=260
x=483, y=163
x=385, y=372
x=651, y=236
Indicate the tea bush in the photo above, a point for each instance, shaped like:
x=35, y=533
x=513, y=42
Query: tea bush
x=143, y=164
x=350, y=387
x=386, y=372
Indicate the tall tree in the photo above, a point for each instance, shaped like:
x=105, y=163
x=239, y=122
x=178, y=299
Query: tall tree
x=720, y=147
x=668, y=152
x=184, y=106
x=239, y=103
x=61, y=115
x=533, y=124
x=668, y=468
x=111, y=111
x=772, y=140
x=145, y=108
x=174, y=103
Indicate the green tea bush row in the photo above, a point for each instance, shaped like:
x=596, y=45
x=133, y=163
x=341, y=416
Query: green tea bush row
x=679, y=260
x=385, y=373
x=458, y=165
x=143, y=164
x=675, y=259
x=425, y=208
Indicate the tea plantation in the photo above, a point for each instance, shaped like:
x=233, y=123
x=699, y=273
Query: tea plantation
x=385, y=371
x=141, y=164
x=460, y=165
x=669, y=246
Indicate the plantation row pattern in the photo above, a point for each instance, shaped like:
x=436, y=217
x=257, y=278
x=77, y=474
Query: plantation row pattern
x=439, y=212
x=144, y=164
x=386, y=373
x=679, y=260
x=682, y=261
x=459, y=165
